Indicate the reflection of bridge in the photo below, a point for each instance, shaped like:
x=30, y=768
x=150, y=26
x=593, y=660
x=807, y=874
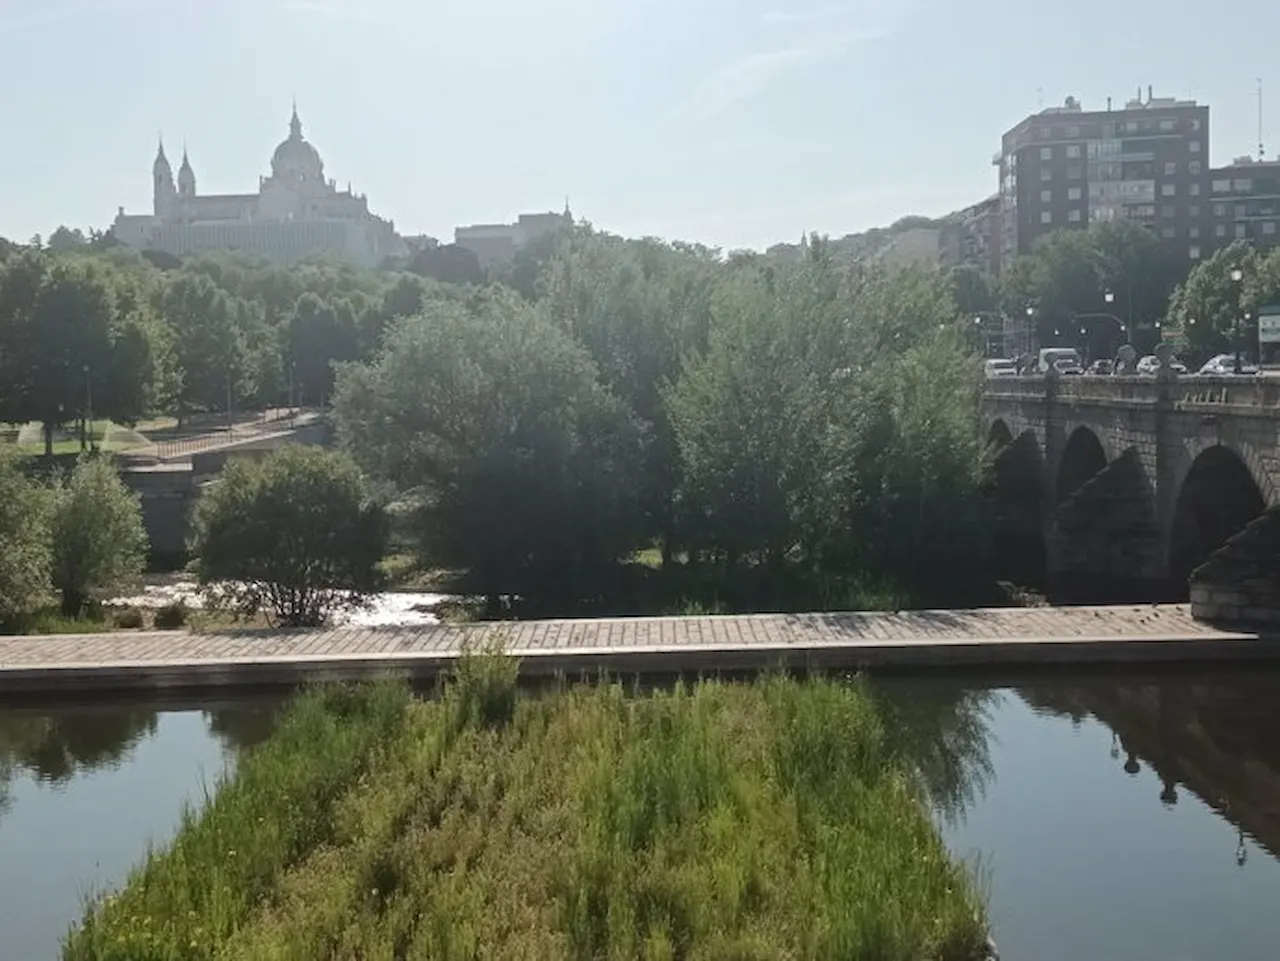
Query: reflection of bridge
x=1218, y=739
x=1117, y=488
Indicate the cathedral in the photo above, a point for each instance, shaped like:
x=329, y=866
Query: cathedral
x=294, y=214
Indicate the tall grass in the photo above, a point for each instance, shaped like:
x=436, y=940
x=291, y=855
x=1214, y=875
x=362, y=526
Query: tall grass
x=756, y=821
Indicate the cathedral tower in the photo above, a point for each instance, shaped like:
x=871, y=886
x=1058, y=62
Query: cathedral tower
x=186, y=177
x=164, y=193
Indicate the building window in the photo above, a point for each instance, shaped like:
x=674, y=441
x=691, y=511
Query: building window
x=1193, y=232
x=1242, y=210
x=1194, y=251
x=1220, y=230
x=1168, y=211
x=1222, y=186
x=1268, y=226
x=1242, y=186
x=1194, y=167
x=1074, y=216
x=1073, y=132
x=1168, y=190
x=1046, y=196
x=1129, y=126
x=1194, y=146
x=1073, y=152
x=1046, y=217
x=1074, y=193
x=1168, y=125
x=1046, y=153
x=1170, y=169
x=1046, y=173
x=1219, y=210
x=1046, y=133
x=1168, y=233
x=1075, y=172
x=1195, y=190
x=1195, y=123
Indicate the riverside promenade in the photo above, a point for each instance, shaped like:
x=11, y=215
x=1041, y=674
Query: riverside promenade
x=1006, y=638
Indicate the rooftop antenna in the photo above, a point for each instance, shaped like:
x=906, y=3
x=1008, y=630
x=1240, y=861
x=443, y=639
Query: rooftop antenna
x=1261, y=152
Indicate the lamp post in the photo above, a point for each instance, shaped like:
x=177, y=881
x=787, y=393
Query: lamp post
x=88, y=403
x=1237, y=276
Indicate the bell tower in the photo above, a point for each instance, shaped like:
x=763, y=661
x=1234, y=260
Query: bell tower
x=186, y=177
x=164, y=193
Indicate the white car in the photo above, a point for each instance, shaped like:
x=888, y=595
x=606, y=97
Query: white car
x=1224, y=365
x=1000, y=368
x=1148, y=366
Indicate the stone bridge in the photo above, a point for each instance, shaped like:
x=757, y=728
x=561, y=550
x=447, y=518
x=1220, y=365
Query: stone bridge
x=1111, y=488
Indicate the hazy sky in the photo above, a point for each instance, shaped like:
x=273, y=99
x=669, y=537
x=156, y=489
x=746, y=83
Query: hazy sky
x=733, y=122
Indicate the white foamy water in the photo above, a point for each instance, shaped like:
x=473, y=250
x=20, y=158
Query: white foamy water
x=390, y=609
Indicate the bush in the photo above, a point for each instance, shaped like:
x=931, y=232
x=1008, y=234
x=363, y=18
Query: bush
x=99, y=543
x=171, y=616
x=294, y=535
x=127, y=619
x=26, y=558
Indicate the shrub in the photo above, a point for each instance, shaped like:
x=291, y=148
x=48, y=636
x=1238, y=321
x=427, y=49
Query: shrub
x=127, y=619
x=99, y=543
x=25, y=557
x=171, y=616
x=294, y=535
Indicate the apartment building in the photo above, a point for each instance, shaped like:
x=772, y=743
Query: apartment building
x=1244, y=204
x=1068, y=167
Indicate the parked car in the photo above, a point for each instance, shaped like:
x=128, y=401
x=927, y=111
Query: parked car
x=1055, y=356
x=1148, y=366
x=1224, y=365
x=1000, y=368
x=1101, y=367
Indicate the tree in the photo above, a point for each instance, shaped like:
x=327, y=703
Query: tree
x=26, y=559
x=449, y=264
x=294, y=535
x=320, y=335
x=1209, y=307
x=522, y=464
x=99, y=542
x=209, y=341
x=69, y=343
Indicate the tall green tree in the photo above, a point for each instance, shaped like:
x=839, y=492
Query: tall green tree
x=26, y=559
x=321, y=334
x=522, y=464
x=1210, y=307
x=209, y=339
x=99, y=542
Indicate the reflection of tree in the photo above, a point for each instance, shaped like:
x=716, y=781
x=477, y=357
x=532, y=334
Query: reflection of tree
x=942, y=731
x=55, y=747
x=242, y=727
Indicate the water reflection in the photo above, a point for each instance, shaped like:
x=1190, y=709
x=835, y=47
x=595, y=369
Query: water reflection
x=54, y=747
x=944, y=733
x=1216, y=738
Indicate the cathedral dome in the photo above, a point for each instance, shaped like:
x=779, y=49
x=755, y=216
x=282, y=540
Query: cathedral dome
x=295, y=158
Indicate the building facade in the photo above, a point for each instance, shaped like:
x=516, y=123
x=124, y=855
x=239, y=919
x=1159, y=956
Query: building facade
x=295, y=213
x=1147, y=163
x=973, y=237
x=1244, y=204
x=495, y=244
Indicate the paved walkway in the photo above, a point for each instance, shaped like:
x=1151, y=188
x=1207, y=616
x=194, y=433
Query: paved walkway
x=1001, y=637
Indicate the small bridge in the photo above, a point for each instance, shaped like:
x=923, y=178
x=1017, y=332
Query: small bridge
x=1117, y=489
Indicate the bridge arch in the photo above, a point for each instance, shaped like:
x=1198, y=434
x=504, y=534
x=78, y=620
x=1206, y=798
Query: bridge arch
x=999, y=436
x=1083, y=458
x=1218, y=497
x=1019, y=502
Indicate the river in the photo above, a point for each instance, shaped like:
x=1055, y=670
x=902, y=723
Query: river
x=1134, y=818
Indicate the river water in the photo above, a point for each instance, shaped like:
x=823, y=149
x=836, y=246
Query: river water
x=1134, y=818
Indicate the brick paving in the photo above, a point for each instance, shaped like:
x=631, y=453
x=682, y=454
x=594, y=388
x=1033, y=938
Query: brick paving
x=633, y=636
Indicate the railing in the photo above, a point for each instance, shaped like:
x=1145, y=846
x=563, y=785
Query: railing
x=1245, y=394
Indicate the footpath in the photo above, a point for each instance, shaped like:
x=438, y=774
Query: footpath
x=1013, y=638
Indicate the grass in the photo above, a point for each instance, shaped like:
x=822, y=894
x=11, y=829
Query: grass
x=70, y=442
x=717, y=821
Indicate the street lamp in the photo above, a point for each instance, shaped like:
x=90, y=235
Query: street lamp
x=88, y=401
x=1237, y=275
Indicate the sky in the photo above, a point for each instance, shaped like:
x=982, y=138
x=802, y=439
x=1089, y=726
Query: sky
x=735, y=123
